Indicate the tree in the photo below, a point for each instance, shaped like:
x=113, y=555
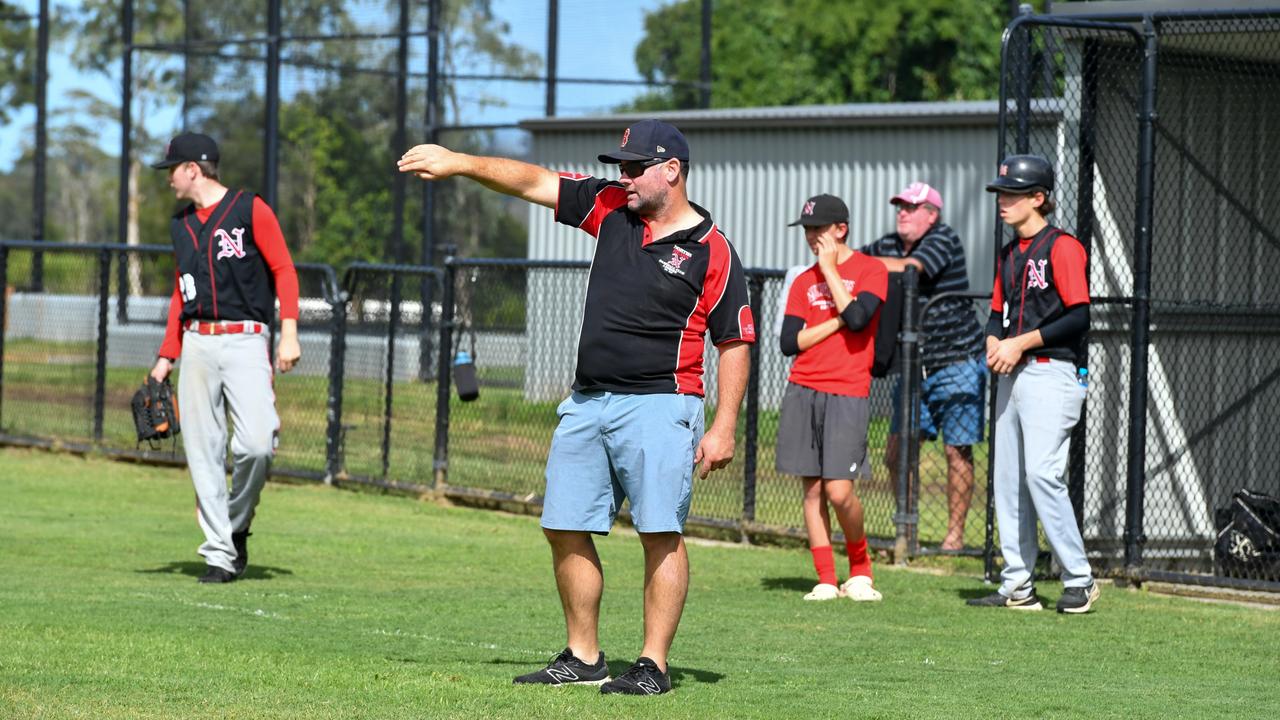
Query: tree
x=802, y=52
x=18, y=61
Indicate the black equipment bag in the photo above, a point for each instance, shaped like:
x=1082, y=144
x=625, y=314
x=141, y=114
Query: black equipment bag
x=1248, y=544
x=886, y=344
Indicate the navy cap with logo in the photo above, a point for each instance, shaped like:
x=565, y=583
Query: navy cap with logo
x=649, y=139
x=822, y=210
x=188, y=147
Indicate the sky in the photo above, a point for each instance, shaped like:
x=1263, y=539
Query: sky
x=595, y=40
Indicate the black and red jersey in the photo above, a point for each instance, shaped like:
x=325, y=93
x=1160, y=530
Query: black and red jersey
x=1037, y=279
x=650, y=301
x=232, y=262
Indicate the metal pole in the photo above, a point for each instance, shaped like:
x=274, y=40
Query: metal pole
x=755, y=285
x=337, y=374
x=444, y=378
x=393, y=326
x=42, y=144
x=271, y=139
x=126, y=119
x=553, y=36
x=1023, y=86
x=904, y=519
x=1084, y=233
x=398, y=141
x=1136, y=476
x=100, y=367
x=186, y=64
x=432, y=120
x=705, y=71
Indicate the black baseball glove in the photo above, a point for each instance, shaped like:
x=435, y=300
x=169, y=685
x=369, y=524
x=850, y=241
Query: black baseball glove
x=155, y=411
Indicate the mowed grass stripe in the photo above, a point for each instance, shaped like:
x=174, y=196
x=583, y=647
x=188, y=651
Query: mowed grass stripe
x=364, y=605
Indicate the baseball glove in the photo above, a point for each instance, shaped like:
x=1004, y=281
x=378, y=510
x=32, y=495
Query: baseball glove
x=155, y=411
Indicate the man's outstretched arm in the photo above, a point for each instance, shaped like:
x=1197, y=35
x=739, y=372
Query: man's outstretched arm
x=512, y=177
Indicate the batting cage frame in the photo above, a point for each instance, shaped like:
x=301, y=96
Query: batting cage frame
x=1157, y=133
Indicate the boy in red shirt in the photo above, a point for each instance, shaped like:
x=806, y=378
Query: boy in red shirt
x=830, y=325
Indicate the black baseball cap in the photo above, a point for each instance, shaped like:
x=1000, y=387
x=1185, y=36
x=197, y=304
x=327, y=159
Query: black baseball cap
x=188, y=147
x=822, y=210
x=649, y=139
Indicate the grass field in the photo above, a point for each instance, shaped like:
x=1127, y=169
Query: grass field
x=359, y=605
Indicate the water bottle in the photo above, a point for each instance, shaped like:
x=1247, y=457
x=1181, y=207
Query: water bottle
x=462, y=358
x=1082, y=377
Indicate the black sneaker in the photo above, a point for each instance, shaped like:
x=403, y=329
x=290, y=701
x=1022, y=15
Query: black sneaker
x=565, y=669
x=217, y=575
x=995, y=599
x=643, y=678
x=1076, y=600
x=241, y=541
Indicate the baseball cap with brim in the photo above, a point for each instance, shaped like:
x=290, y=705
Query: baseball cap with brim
x=1023, y=174
x=918, y=193
x=188, y=147
x=646, y=140
x=822, y=209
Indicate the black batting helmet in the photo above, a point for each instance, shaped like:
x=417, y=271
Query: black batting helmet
x=1023, y=174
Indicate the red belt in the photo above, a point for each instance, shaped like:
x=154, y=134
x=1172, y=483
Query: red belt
x=224, y=328
x=1028, y=359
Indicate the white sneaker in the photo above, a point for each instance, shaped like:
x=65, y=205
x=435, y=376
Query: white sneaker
x=823, y=591
x=858, y=588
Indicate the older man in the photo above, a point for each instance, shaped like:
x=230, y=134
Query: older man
x=663, y=276
x=952, y=353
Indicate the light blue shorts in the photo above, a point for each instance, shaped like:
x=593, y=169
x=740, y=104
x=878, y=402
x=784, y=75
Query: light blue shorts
x=613, y=446
x=953, y=401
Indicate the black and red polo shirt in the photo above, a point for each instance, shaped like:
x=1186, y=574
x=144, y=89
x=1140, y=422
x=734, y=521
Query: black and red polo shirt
x=650, y=301
x=1037, y=280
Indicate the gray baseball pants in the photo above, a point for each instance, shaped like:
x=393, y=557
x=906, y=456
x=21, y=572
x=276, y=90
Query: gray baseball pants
x=225, y=375
x=1036, y=408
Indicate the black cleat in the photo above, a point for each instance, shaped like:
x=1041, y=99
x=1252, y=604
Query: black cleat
x=217, y=575
x=643, y=678
x=1078, y=600
x=995, y=599
x=241, y=541
x=565, y=669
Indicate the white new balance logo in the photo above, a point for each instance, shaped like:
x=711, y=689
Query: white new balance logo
x=562, y=674
x=649, y=686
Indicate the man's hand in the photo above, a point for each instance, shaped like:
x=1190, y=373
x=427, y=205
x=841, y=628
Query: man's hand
x=714, y=452
x=1004, y=355
x=162, y=369
x=429, y=162
x=288, y=351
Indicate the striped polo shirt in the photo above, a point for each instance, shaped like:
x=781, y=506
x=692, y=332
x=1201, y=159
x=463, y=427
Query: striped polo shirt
x=951, y=330
x=651, y=300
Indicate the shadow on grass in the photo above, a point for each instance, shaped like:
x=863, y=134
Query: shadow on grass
x=789, y=584
x=196, y=569
x=970, y=593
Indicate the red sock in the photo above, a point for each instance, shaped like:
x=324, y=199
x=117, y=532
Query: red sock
x=824, y=561
x=859, y=561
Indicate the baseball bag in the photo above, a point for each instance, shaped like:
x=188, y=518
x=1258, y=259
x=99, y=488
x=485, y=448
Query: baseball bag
x=155, y=411
x=1248, y=544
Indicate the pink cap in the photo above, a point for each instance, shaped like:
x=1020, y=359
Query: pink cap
x=917, y=193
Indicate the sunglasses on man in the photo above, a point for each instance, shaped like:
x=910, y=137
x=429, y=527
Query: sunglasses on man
x=636, y=168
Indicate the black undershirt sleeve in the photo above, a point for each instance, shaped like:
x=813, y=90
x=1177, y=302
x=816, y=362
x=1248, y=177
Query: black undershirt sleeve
x=789, y=340
x=994, y=322
x=1069, y=326
x=858, y=313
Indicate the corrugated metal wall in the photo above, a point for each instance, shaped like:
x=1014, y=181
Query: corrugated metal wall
x=754, y=180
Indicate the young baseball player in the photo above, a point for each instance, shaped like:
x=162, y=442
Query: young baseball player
x=232, y=263
x=1035, y=341
x=830, y=325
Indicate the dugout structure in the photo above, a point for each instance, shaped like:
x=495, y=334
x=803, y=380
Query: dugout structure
x=1165, y=150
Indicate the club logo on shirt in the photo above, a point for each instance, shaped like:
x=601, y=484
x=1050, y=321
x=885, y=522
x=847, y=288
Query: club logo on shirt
x=673, y=263
x=230, y=245
x=820, y=294
x=1036, y=277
